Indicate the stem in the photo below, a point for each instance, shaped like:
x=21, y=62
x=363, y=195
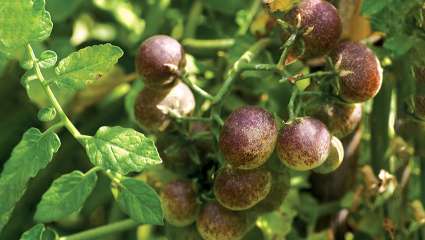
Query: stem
x=52, y=99
x=195, y=88
x=193, y=19
x=208, y=44
x=291, y=104
x=247, y=57
x=298, y=77
x=286, y=46
x=251, y=14
x=260, y=67
x=103, y=230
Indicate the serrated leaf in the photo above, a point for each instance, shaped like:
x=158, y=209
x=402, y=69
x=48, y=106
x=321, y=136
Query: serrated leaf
x=399, y=44
x=48, y=59
x=86, y=65
x=139, y=201
x=32, y=154
x=39, y=232
x=66, y=195
x=121, y=150
x=22, y=22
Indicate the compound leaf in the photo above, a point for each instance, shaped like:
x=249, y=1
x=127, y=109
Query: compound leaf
x=66, y=195
x=121, y=150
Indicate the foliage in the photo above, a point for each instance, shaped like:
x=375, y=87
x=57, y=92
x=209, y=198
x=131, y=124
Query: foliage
x=74, y=156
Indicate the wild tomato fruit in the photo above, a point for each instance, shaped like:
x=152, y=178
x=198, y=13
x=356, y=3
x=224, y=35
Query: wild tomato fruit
x=303, y=144
x=238, y=189
x=248, y=137
x=156, y=58
x=361, y=72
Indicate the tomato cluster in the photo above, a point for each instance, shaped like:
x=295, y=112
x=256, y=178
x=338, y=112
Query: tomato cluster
x=245, y=185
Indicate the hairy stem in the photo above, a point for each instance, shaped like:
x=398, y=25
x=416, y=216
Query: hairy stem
x=286, y=46
x=103, y=230
x=52, y=99
x=247, y=57
x=195, y=88
x=302, y=76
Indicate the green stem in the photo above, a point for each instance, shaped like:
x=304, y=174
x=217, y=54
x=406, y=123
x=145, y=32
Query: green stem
x=291, y=104
x=195, y=88
x=286, y=46
x=298, y=77
x=103, y=230
x=260, y=67
x=247, y=57
x=52, y=99
x=193, y=19
x=251, y=14
x=208, y=44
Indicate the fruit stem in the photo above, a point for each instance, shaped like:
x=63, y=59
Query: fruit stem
x=286, y=46
x=51, y=96
x=103, y=230
x=195, y=88
x=233, y=72
x=302, y=76
x=208, y=44
x=250, y=16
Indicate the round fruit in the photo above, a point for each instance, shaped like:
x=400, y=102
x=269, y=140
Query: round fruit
x=156, y=58
x=321, y=24
x=238, y=189
x=340, y=119
x=218, y=223
x=248, y=137
x=303, y=144
x=420, y=106
x=336, y=156
x=152, y=106
x=278, y=192
x=179, y=203
x=360, y=70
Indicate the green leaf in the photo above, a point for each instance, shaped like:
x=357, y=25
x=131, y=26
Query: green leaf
x=66, y=195
x=87, y=65
x=139, y=201
x=48, y=59
x=23, y=22
x=36, y=92
x=121, y=150
x=46, y=114
x=39, y=232
x=32, y=154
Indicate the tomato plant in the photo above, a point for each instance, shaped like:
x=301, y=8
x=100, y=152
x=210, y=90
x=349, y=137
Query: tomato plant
x=212, y=119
